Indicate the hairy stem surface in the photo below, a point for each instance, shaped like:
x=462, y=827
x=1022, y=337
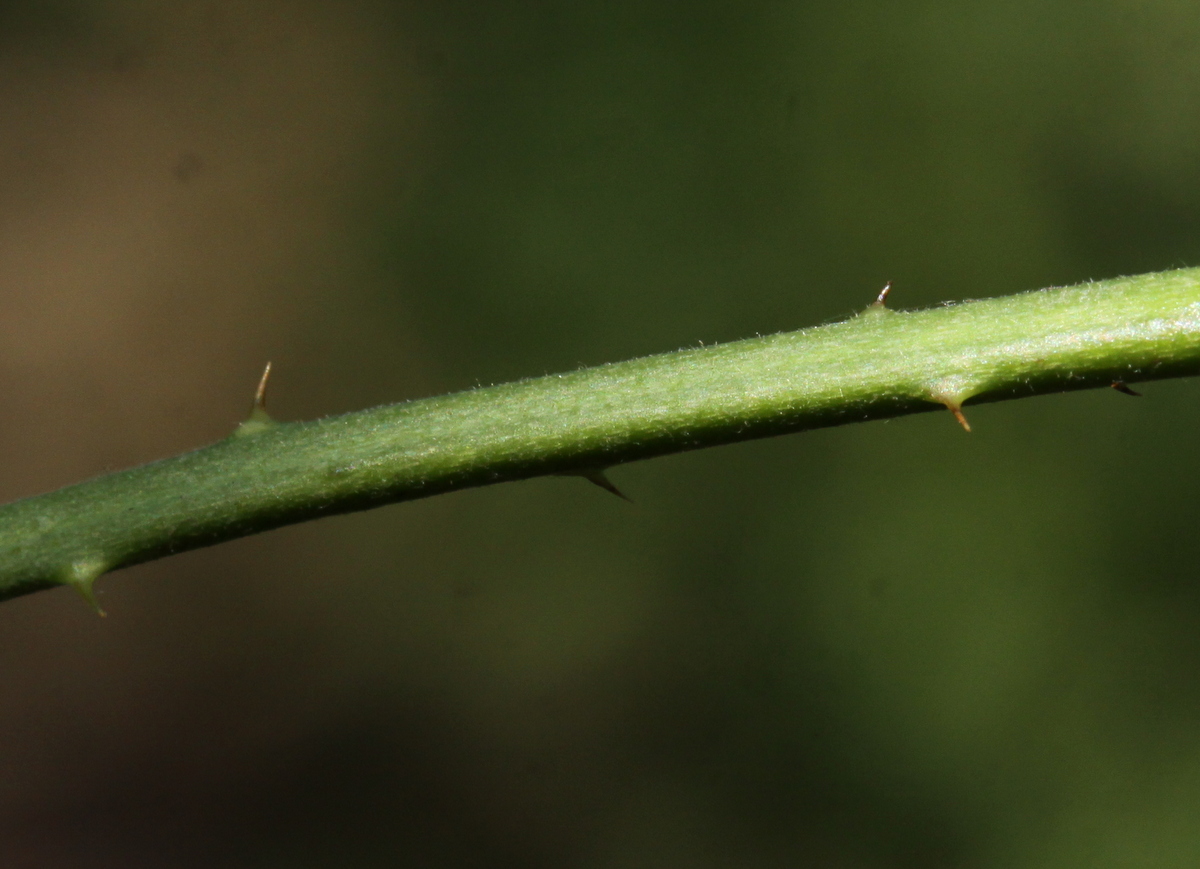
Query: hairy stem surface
x=879, y=364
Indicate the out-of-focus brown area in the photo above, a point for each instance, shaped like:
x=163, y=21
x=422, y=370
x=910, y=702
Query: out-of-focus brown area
x=178, y=186
x=891, y=645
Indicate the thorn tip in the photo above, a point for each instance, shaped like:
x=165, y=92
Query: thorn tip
x=259, y=419
x=601, y=479
x=82, y=577
x=956, y=408
x=260, y=394
x=881, y=299
x=1123, y=387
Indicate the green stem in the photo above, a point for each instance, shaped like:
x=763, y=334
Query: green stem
x=878, y=364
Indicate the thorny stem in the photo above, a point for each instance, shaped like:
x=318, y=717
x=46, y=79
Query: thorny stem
x=878, y=364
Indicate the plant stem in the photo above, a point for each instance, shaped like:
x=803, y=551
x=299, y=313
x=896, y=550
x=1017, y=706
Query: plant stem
x=878, y=364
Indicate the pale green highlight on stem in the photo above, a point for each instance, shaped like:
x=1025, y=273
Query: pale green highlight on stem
x=876, y=365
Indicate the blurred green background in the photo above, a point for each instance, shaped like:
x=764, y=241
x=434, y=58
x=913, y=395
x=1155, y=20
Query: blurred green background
x=887, y=645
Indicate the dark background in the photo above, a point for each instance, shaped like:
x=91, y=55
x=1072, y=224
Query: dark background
x=887, y=645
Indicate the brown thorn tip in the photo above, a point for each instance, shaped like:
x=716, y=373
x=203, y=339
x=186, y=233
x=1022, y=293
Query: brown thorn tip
x=958, y=415
x=881, y=299
x=90, y=597
x=601, y=479
x=1121, y=386
x=260, y=394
